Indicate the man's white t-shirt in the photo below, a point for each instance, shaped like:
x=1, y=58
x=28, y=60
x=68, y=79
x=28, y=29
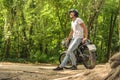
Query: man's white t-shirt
x=77, y=29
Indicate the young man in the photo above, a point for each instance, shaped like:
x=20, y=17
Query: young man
x=79, y=33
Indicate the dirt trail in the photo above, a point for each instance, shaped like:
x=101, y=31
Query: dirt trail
x=16, y=71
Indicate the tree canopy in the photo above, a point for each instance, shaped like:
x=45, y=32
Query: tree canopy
x=33, y=29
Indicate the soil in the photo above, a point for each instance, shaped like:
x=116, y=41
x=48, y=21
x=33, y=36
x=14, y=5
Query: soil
x=18, y=71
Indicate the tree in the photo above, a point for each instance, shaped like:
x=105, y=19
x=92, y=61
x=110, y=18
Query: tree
x=34, y=29
x=119, y=25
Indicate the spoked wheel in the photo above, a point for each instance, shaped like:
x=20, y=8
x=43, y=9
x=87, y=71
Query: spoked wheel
x=61, y=58
x=89, y=59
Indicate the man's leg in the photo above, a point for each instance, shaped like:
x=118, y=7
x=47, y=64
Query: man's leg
x=65, y=60
x=74, y=44
x=72, y=47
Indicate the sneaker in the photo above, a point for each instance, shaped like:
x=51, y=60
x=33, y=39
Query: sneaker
x=58, y=68
x=73, y=67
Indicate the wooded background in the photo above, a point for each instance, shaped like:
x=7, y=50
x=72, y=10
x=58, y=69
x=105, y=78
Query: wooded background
x=33, y=29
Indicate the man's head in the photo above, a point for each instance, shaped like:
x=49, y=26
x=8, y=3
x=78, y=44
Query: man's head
x=73, y=13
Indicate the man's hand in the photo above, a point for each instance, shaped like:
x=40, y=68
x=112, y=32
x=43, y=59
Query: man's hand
x=67, y=40
x=84, y=39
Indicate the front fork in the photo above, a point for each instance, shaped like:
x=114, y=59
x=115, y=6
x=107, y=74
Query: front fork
x=81, y=55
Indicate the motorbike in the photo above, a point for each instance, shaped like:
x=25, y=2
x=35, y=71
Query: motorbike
x=85, y=54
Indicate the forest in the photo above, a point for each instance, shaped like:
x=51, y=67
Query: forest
x=32, y=30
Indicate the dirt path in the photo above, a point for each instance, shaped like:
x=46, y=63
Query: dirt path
x=16, y=71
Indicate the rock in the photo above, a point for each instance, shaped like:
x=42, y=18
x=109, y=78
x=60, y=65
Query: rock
x=115, y=60
x=114, y=74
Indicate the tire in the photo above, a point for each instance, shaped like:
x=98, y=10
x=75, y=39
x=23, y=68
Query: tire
x=89, y=59
x=61, y=57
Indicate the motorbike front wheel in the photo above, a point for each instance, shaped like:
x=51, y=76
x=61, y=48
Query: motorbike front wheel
x=61, y=58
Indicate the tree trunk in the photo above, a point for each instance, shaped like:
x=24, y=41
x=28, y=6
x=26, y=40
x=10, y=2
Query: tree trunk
x=9, y=21
x=92, y=17
x=119, y=24
x=112, y=23
x=24, y=50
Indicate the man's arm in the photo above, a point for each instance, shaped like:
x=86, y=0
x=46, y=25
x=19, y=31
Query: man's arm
x=85, y=31
x=70, y=35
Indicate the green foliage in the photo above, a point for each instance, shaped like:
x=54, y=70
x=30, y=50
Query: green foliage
x=33, y=29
